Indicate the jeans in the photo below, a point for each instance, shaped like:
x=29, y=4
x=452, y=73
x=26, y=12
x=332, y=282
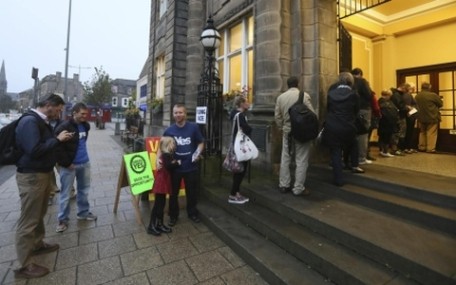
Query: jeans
x=80, y=172
x=301, y=158
x=363, y=140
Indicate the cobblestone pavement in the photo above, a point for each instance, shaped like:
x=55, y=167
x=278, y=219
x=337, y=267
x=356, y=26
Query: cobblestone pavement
x=115, y=249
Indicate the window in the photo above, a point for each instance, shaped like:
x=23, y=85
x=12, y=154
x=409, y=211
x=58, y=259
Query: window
x=160, y=91
x=235, y=57
x=114, y=89
x=125, y=102
x=143, y=91
x=114, y=101
x=163, y=7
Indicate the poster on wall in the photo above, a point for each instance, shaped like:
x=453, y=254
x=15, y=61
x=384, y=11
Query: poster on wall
x=201, y=115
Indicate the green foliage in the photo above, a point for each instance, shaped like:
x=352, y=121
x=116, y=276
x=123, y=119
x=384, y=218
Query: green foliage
x=98, y=91
x=6, y=104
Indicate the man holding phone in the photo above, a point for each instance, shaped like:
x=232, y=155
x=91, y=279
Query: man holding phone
x=73, y=159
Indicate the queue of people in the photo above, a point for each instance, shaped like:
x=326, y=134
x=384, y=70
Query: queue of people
x=346, y=132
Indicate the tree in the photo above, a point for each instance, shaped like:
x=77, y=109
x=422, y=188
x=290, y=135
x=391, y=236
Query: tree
x=6, y=104
x=98, y=91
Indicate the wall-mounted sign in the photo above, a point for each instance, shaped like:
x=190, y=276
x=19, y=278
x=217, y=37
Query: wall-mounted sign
x=201, y=115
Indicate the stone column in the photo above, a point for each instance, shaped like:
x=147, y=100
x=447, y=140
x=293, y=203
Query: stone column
x=195, y=51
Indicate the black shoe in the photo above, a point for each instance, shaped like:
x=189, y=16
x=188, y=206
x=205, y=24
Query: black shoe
x=195, y=219
x=172, y=222
x=152, y=230
x=162, y=228
x=284, y=189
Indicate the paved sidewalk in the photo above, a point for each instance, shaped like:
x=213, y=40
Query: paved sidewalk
x=115, y=249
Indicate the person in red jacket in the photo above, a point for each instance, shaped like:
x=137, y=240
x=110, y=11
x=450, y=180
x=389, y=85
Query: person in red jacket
x=162, y=186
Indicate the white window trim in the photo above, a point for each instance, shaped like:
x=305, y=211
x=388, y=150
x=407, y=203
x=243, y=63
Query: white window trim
x=244, y=56
x=160, y=84
x=125, y=102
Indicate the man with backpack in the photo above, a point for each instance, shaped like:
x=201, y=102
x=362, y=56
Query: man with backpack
x=289, y=143
x=35, y=138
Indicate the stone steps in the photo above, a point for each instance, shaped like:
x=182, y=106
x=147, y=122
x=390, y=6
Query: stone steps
x=343, y=238
x=432, y=213
x=273, y=263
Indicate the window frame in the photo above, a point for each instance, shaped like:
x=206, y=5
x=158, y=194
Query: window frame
x=242, y=51
x=160, y=82
x=162, y=8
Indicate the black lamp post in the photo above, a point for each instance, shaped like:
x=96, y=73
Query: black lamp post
x=210, y=93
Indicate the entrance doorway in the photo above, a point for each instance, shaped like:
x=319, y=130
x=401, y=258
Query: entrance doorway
x=442, y=77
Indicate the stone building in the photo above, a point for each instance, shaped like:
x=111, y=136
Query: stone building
x=264, y=42
x=122, y=91
x=55, y=83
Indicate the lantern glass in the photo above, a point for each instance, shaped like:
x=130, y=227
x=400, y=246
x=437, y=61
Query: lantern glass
x=210, y=39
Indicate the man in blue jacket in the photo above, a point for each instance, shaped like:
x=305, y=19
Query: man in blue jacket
x=73, y=159
x=35, y=138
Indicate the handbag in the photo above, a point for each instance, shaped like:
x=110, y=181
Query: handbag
x=244, y=148
x=362, y=124
x=231, y=164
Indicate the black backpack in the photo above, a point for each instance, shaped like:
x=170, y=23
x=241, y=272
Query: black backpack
x=9, y=153
x=304, y=122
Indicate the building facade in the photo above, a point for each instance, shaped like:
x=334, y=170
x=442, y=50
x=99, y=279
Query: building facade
x=264, y=42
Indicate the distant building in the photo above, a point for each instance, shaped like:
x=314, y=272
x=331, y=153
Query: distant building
x=141, y=90
x=55, y=83
x=122, y=90
x=25, y=100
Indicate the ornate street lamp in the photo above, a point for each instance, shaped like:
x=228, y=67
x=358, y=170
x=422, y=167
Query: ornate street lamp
x=210, y=101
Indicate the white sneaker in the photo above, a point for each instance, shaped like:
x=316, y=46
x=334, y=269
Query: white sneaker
x=386, y=154
x=366, y=161
x=237, y=199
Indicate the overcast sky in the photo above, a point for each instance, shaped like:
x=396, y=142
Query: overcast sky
x=113, y=34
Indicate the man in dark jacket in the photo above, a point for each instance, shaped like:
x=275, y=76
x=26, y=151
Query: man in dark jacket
x=362, y=88
x=397, y=98
x=340, y=129
x=34, y=172
x=73, y=159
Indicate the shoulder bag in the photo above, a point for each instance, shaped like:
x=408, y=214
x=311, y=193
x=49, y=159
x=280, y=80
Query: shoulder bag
x=231, y=163
x=244, y=148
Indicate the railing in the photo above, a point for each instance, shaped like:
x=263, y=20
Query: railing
x=346, y=8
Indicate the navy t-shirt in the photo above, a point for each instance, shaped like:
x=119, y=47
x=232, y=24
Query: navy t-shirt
x=187, y=140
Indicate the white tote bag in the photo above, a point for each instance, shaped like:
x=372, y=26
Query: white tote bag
x=244, y=148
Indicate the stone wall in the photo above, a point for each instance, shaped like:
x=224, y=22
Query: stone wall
x=292, y=37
